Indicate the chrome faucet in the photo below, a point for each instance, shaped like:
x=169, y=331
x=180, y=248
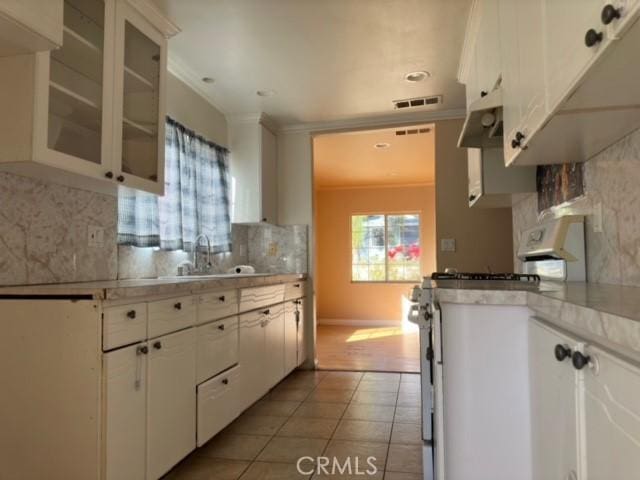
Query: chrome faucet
x=196, y=266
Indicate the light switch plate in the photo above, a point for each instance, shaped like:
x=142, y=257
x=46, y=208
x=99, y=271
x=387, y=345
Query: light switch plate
x=448, y=244
x=95, y=236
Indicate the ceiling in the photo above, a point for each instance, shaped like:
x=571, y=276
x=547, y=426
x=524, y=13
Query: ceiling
x=328, y=60
x=351, y=159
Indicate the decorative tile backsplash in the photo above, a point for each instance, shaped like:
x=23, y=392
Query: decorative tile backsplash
x=270, y=249
x=611, y=181
x=44, y=233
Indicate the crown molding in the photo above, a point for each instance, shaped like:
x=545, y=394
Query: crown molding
x=156, y=17
x=191, y=79
x=327, y=188
x=470, y=36
x=382, y=121
x=260, y=118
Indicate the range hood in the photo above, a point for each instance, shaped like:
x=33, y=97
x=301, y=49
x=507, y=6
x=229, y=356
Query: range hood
x=483, y=123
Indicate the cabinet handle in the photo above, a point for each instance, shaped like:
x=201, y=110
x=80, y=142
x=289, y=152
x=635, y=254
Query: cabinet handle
x=592, y=38
x=225, y=381
x=517, y=141
x=579, y=360
x=472, y=198
x=266, y=312
x=221, y=298
x=562, y=352
x=142, y=350
x=120, y=178
x=221, y=327
x=131, y=314
x=109, y=175
x=157, y=345
x=178, y=306
x=296, y=285
x=483, y=93
x=264, y=219
x=609, y=14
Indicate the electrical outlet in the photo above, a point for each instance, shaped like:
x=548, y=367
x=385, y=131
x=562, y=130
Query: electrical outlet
x=448, y=245
x=95, y=236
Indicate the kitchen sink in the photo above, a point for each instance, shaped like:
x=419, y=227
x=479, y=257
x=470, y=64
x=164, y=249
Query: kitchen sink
x=212, y=276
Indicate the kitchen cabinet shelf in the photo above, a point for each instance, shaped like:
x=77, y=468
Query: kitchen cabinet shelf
x=82, y=109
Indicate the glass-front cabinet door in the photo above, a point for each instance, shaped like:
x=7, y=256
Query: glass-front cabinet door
x=75, y=91
x=139, y=106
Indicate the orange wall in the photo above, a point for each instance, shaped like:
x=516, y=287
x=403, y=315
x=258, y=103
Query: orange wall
x=337, y=297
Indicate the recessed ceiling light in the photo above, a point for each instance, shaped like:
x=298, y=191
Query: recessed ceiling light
x=418, y=76
x=208, y=80
x=266, y=93
x=382, y=145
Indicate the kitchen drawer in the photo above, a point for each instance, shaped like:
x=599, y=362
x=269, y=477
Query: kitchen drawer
x=218, y=404
x=294, y=290
x=123, y=325
x=217, y=347
x=212, y=306
x=254, y=298
x=170, y=315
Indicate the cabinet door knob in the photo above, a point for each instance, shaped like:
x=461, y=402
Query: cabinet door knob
x=142, y=350
x=221, y=327
x=579, y=360
x=592, y=38
x=222, y=298
x=225, y=381
x=483, y=93
x=561, y=352
x=178, y=306
x=519, y=136
x=157, y=345
x=264, y=219
x=266, y=312
x=120, y=178
x=472, y=198
x=609, y=14
x=109, y=174
x=131, y=314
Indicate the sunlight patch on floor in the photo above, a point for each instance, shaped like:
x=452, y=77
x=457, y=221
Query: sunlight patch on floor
x=373, y=333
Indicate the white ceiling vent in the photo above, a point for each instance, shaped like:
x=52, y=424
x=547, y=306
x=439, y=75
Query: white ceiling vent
x=412, y=131
x=417, y=102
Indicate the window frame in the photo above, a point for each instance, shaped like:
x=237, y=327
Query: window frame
x=386, y=247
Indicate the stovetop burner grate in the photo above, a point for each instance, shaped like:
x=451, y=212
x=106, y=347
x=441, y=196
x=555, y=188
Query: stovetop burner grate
x=509, y=277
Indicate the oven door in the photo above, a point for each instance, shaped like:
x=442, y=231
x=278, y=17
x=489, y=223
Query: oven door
x=426, y=378
x=438, y=398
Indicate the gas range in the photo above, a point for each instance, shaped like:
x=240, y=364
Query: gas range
x=505, y=277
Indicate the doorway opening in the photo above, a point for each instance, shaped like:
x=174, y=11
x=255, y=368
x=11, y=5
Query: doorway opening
x=374, y=197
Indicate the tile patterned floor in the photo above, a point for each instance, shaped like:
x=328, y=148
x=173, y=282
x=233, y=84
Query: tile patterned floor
x=335, y=414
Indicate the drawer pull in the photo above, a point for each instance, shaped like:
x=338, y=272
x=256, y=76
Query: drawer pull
x=221, y=327
x=157, y=345
x=609, y=14
x=592, y=38
x=266, y=312
x=143, y=350
x=297, y=285
x=178, y=306
x=225, y=381
x=222, y=298
x=131, y=314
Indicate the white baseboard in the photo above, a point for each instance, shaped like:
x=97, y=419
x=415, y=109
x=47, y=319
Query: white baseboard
x=347, y=322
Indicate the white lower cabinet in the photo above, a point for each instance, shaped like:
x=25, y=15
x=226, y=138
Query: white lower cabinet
x=274, y=347
x=217, y=347
x=252, y=355
x=171, y=407
x=553, y=403
x=611, y=417
x=302, y=349
x=218, y=403
x=290, y=336
x=125, y=398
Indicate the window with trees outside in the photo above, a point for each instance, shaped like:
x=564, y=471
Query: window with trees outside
x=385, y=248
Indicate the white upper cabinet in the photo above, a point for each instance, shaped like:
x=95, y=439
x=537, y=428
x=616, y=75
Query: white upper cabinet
x=90, y=114
x=569, y=25
x=523, y=81
x=487, y=48
x=254, y=171
x=28, y=26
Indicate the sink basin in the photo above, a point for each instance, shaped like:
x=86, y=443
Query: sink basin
x=213, y=276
